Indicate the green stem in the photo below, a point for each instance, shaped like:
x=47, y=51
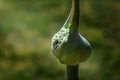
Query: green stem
x=72, y=72
x=75, y=16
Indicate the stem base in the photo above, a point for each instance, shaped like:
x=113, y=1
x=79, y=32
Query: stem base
x=72, y=72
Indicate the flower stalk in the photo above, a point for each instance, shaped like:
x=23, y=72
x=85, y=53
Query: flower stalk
x=75, y=16
x=72, y=72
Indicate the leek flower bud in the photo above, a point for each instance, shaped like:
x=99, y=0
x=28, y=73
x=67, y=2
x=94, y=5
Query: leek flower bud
x=68, y=45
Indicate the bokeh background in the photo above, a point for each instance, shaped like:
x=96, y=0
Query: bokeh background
x=26, y=29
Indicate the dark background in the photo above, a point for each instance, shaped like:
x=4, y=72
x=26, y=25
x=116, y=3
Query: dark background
x=26, y=29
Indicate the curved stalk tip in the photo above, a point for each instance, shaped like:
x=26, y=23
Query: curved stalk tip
x=75, y=16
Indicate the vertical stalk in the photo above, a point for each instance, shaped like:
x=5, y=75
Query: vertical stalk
x=75, y=16
x=72, y=72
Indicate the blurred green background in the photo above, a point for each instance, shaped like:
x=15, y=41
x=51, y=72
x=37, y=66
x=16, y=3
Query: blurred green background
x=26, y=29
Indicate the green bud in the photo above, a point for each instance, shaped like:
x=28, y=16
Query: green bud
x=67, y=44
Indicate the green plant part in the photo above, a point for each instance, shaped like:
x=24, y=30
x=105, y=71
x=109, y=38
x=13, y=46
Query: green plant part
x=69, y=46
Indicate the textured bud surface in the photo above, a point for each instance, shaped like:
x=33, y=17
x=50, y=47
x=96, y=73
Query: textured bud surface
x=69, y=48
